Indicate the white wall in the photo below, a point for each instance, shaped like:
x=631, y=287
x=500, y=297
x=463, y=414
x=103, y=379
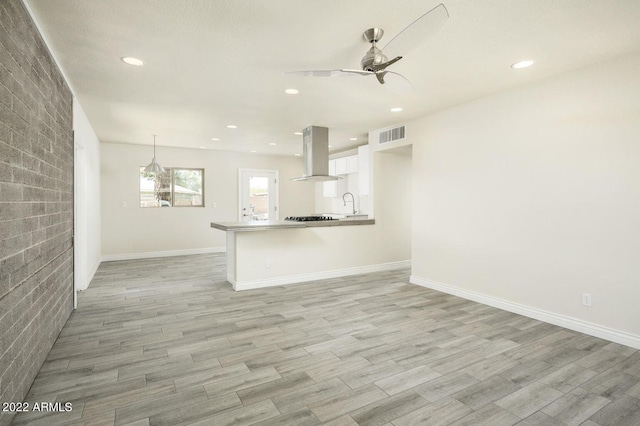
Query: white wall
x=133, y=231
x=392, y=185
x=532, y=197
x=88, y=199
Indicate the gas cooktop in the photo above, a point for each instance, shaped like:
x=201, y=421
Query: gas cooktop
x=308, y=218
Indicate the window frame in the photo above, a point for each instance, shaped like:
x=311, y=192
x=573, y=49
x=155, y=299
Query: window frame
x=172, y=184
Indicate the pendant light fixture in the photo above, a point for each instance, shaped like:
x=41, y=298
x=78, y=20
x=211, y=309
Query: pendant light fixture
x=154, y=167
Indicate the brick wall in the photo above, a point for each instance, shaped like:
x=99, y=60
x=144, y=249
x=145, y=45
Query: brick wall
x=36, y=202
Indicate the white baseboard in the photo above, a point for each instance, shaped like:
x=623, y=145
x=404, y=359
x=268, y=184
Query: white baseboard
x=575, y=324
x=167, y=253
x=302, y=278
x=92, y=272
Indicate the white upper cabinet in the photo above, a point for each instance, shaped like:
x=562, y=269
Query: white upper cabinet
x=358, y=165
x=352, y=164
x=346, y=165
x=332, y=167
x=341, y=166
x=330, y=188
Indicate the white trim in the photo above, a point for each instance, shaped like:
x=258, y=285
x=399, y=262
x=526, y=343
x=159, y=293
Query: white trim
x=167, y=253
x=575, y=324
x=92, y=273
x=276, y=187
x=231, y=281
x=296, y=279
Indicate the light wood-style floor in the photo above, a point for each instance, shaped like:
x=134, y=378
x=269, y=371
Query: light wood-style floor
x=168, y=342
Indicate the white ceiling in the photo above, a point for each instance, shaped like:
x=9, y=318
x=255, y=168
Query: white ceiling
x=209, y=63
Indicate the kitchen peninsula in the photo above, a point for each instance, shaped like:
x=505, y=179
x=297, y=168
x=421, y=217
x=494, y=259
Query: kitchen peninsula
x=271, y=253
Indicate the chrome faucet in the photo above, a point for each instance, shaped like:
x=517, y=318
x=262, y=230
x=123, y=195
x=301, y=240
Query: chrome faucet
x=353, y=201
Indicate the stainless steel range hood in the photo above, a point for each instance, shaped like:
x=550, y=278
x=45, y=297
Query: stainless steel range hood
x=315, y=145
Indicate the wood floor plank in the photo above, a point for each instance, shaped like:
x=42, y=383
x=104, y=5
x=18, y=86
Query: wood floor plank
x=193, y=411
x=567, y=378
x=370, y=374
x=406, y=379
x=274, y=388
x=486, y=392
x=109, y=402
x=489, y=415
x=444, y=386
x=236, y=383
x=156, y=406
x=529, y=399
x=337, y=369
x=243, y=416
x=346, y=402
x=439, y=413
x=209, y=376
x=301, y=417
x=624, y=411
x=575, y=407
x=389, y=409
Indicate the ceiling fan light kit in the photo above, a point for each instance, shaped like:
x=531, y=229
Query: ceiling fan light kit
x=376, y=60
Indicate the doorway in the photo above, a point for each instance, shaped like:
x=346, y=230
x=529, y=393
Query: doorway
x=258, y=195
x=393, y=183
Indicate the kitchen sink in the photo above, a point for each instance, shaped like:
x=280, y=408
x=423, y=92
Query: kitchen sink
x=342, y=216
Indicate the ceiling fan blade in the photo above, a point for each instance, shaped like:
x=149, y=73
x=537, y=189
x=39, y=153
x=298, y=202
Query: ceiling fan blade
x=416, y=32
x=328, y=73
x=397, y=83
x=356, y=72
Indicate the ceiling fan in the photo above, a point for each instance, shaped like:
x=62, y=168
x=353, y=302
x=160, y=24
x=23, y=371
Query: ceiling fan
x=376, y=60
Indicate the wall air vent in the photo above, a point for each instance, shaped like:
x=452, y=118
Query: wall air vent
x=391, y=135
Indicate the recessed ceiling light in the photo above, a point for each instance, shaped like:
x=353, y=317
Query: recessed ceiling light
x=522, y=64
x=132, y=61
x=297, y=133
x=203, y=147
x=353, y=139
x=292, y=91
x=330, y=146
x=253, y=150
x=231, y=126
x=273, y=143
x=395, y=109
x=297, y=155
x=215, y=139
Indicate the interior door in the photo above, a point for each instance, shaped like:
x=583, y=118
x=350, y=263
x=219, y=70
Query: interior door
x=258, y=195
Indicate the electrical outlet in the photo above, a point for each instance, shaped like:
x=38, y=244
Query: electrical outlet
x=267, y=264
x=586, y=299
x=124, y=204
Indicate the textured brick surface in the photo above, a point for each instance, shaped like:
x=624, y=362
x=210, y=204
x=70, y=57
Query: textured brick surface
x=36, y=202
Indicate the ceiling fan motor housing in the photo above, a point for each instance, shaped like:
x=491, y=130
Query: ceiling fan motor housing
x=374, y=56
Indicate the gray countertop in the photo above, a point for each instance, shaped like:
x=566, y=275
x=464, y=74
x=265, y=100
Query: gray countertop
x=265, y=225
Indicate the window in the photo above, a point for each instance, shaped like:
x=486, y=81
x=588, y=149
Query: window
x=174, y=188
